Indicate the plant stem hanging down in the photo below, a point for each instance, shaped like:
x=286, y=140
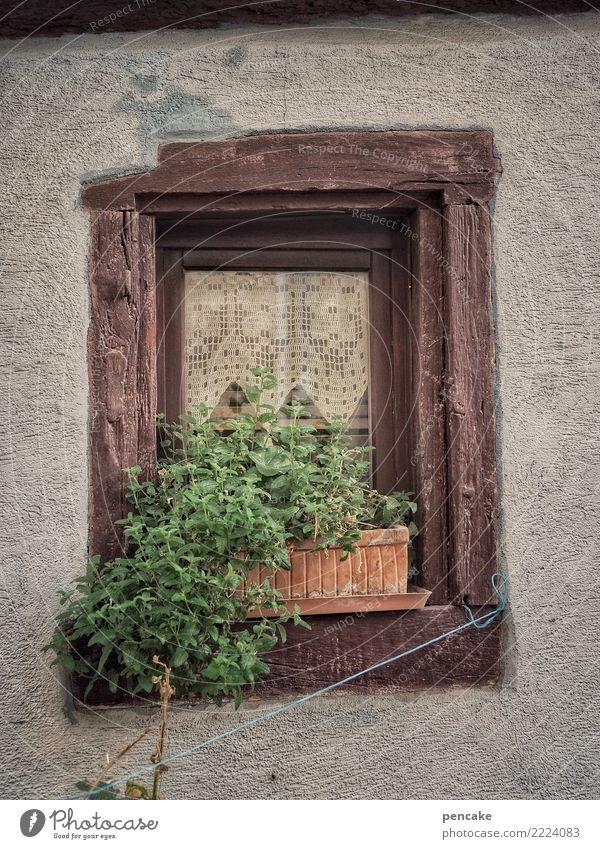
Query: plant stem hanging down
x=166, y=692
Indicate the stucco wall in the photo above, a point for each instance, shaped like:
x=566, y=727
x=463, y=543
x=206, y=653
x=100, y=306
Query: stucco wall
x=80, y=107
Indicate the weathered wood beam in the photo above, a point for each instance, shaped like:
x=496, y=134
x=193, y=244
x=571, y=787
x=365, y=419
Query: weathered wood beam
x=56, y=17
x=429, y=413
x=121, y=365
x=290, y=163
x=339, y=646
x=471, y=432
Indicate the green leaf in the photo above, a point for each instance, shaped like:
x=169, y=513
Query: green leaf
x=67, y=661
x=252, y=393
x=272, y=461
x=179, y=657
x=103, y=657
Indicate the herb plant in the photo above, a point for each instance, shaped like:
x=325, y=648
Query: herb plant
x=228, y=494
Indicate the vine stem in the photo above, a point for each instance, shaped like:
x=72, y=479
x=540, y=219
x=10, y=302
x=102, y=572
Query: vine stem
x=166, y=691
x=117, y=758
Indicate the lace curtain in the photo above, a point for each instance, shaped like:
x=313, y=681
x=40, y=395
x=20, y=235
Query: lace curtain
x=310, y=327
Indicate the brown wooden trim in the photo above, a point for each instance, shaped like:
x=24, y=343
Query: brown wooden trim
x=338, y=646
x=171, y=334
x=429, y=411
x=381, y=367
x=403, y=340
x=471, y=440
x=146, y=398
x=390, y=392
x=121, y=364
x=177, y=205
x=276, y=259
x=95, y=17
x=281, y=230
x=421, y=160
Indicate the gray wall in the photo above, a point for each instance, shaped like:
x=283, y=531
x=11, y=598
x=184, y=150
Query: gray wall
x=95, y=105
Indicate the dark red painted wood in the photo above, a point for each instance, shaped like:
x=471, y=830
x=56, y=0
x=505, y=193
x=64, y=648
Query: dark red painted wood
x=338, y=646
x=122, y=356
x=56, y=17
x=278, y=259
x=299, y=162
x=282, y=231
x=470, y=420
x=429, y=411
x=177, y=205
x=171, y=333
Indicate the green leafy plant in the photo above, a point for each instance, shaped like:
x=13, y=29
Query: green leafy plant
x=229, y=494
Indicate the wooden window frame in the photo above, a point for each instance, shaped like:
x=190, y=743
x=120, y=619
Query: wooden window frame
x=443, y=182
x=209, y=245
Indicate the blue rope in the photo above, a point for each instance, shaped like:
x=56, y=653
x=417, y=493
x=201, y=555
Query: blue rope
x=500, y=586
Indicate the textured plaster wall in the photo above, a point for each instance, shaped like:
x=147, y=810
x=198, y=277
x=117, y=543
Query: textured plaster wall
x=86, y=106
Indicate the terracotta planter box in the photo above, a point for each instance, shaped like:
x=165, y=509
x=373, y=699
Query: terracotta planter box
x=374, y=578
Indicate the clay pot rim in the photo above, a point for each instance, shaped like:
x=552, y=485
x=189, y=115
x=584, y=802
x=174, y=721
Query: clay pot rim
x=374, y=536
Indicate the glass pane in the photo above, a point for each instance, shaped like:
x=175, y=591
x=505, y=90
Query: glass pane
x=310, y=327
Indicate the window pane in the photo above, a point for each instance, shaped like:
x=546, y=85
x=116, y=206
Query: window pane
x=310, y=327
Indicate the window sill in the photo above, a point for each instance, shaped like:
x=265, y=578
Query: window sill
x=338, y=646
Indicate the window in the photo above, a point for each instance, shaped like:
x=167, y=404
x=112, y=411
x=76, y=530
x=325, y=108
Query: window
x=329, y=317
x=430, y=360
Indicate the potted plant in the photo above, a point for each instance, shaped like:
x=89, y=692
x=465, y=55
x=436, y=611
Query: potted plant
x=349, y=546
x=249, y=522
